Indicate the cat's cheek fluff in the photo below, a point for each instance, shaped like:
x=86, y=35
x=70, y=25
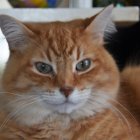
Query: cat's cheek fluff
x=28, y=113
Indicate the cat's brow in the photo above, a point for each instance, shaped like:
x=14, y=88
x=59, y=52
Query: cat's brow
x=55, y=50
x=48, y=55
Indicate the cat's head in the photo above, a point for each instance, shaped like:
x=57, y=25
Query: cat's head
x=58, y=68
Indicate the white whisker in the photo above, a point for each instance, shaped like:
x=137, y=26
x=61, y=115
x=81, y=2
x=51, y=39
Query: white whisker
x=126, y=121
x=11, y=115
x=122, y=106
x=11, y=93
x=121, y=114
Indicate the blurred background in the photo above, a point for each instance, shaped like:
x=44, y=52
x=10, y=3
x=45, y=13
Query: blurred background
x=26, y=10
x=65, y=3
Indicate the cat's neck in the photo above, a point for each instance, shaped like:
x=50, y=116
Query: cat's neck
x=53, y=121
x=90, y=126
x=60, y=123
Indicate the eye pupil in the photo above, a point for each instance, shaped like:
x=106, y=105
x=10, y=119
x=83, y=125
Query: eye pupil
x=83, y=65
x=43, y=68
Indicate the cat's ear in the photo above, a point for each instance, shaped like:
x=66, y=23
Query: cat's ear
x=101, y=25
x=16, y=33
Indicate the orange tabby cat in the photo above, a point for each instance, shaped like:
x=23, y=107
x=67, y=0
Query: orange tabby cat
x=61, y=84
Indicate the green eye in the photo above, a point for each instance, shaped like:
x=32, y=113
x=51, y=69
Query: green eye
x=83, y=65
x=43, y=68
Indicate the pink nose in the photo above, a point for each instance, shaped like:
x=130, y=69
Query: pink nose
x=66, y=91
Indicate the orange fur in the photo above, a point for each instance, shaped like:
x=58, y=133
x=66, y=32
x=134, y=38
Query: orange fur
x=106, y=112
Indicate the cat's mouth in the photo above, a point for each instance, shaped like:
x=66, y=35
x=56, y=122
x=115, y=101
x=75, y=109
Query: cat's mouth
x=60, y=102
x=64, y=106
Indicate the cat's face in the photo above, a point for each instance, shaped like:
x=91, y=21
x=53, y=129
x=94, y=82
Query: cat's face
x=58, y=69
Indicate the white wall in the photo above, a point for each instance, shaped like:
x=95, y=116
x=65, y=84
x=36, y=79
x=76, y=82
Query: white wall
x=4, y=51
x=4, y=4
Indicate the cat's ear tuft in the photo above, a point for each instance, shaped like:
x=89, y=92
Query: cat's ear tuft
x=15, y=32
x=102, y=23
